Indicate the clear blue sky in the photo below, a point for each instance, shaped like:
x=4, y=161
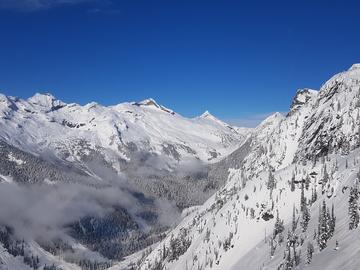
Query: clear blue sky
x=238, y=59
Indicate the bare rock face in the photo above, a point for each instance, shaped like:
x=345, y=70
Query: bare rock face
x=301, y=98
x=333, y=125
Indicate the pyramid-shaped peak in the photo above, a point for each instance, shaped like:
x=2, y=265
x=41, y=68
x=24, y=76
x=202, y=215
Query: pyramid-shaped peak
x=206, y=114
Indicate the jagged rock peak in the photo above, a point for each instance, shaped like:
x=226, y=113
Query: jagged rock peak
x=302, y=97
x=148, y=102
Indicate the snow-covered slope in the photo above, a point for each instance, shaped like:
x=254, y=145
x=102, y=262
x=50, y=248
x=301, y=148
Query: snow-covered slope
x=43, y=123
x=295, y=164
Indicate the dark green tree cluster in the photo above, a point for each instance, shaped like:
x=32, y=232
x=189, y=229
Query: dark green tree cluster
x=32, y=261
x=51, y=267
x=93, y=265
x=326, y=225
x=309, y=252
x=291, y=255
x=178, y=245
x=354, y=207
x=305, y=212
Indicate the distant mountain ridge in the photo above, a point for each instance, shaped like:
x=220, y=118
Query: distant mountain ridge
x=43, y=122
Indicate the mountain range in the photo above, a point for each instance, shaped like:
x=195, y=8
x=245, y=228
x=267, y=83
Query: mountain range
x=138, y=186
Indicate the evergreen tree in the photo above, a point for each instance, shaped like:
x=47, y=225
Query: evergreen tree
x=305, y=212
x=292, y=183
x=353, y=207
x=332, y=221
x=294, y=222
x=307, y=182
x=323, y=230
x=271, y=183
x=313, y=195
x=309, y=252
x=302, y=198
x=305, y=218
x=325, y=177
x=279, y=225
x=289, y=263
x=272, y=247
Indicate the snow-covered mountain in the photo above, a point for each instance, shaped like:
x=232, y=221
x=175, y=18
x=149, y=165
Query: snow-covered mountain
x=287, y=194
x=274, y=211
x=43, y=123
x=142, y=156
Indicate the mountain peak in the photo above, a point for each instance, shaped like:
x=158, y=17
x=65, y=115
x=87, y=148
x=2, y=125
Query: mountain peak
x=46, y=101
x=148, y=102
x=41, y=98
x=207, y=114
x=271, y=120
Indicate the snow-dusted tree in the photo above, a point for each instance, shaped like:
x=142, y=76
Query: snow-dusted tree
x=354, y=207
x=305, y=218
x=322, y=227
x=313, y=195
x=271, y=183
x=292, y=182
x=289, y=261
x=325, y=177
x=302, y=198
x=307, y=182
x=178, y=245
x=252, y=213
x=332, y=222
x=164, y=252
x=279, y=225
x=294, y=221
x=309, y=252
x=297, y=256
x=272, y=247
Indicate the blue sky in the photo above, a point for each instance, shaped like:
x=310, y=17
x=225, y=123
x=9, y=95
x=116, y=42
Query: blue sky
x=241, y=60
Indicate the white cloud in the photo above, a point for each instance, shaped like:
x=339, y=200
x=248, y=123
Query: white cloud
x=33, y=5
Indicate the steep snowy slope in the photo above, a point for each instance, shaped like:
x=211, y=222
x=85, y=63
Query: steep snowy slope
x=295, y=164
